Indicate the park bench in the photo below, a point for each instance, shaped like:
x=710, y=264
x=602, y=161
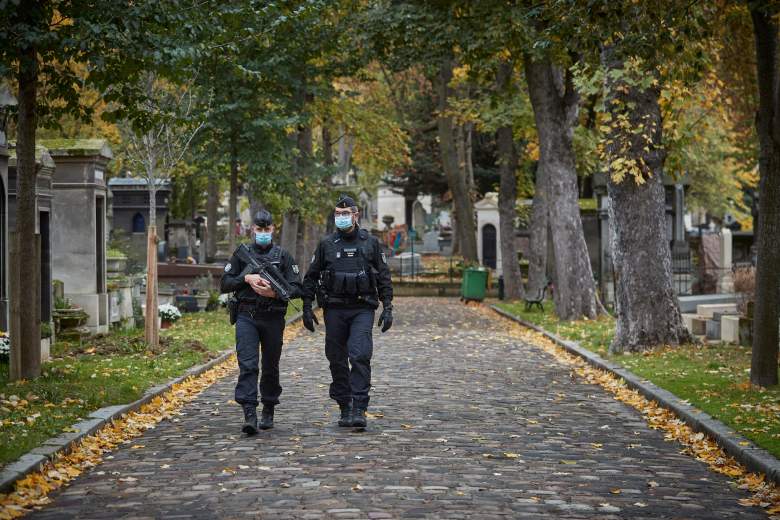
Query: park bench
x=537, y=298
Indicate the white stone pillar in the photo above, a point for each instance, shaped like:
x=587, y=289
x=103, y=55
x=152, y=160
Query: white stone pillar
x=725, y=278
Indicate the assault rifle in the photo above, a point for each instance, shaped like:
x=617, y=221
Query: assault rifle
x=267, y=270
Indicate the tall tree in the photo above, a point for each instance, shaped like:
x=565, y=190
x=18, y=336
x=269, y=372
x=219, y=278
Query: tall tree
x=456, y=171
x=642, y=48
x=507, y=193
x=648, y=313
x=556, y=106
x=152, y=152
x=763, y=368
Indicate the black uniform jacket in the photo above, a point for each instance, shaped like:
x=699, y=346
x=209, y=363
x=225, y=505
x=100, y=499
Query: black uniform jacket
x=233, y=281
x=375, y=257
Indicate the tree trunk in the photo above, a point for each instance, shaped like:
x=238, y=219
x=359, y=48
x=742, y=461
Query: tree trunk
x=455, y=231
x=212, y=203
x=289, y=236
x=507, y=195
x=763, y=369
x=25, y=264
x=648, y=313
x=233, y=197
x=554, y=102
x=537, y=255
x=151, y=331
x=327, y=145
x=456, y=174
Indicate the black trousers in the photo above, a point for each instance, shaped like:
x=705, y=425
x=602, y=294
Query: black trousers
x=348, y=347
x=263, y=331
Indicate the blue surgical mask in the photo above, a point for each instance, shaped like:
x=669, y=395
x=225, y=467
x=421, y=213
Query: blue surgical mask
x=343, y=221
x=263, y=239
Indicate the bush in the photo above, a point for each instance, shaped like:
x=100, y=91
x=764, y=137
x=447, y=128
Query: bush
x=744, y=287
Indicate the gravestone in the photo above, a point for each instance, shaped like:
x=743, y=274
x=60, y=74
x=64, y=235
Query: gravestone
x=729, y=329
x=725, y=278
x=430, y=242
x=405, y=264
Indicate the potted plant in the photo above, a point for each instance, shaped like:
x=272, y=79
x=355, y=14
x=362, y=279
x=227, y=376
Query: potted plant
x=168, y=314
x=116, y=261
x=201, y=288
x=5, y=347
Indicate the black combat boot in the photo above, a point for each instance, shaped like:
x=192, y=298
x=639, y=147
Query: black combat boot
x=250, y=420
x=359, y=418
x=267, y=418
x=346, y=415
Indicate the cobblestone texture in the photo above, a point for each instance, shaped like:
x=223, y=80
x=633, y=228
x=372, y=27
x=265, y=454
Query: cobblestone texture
x=472, y=425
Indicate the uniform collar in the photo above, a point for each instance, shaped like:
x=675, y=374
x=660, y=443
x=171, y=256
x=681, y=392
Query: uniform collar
x=349, y=235
x=262, y=249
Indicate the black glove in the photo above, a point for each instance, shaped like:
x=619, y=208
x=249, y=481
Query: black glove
x=309, y=318
x=386, y=318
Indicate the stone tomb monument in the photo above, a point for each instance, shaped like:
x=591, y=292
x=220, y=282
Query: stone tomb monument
x=488, y=232
x=79, y=237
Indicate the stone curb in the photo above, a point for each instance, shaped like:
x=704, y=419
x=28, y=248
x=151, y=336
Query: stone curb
x=62, y=444
x=753, y=457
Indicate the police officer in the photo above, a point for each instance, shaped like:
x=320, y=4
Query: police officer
x=349, y=277
x=260, y=321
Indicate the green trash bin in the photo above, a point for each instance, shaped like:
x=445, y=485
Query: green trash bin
x=474, y=284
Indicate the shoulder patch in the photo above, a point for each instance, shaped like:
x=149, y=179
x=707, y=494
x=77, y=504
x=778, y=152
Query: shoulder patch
x=228, y=267
x=313, y=257
x=384, y=258
x=295, y=268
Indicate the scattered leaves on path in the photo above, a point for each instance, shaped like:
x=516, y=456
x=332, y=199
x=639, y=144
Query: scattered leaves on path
x=31, y=491
x=696, y=444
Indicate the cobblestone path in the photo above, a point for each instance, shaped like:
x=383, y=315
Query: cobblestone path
x=470, y=424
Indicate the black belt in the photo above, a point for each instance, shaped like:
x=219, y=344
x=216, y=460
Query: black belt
x=253, y=307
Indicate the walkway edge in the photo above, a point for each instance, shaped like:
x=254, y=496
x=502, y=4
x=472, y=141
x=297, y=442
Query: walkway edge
x=745, y=451
x=62, y=444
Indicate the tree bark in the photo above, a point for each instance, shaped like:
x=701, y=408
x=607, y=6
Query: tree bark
x=25, y=264
x=212, y=203
x=151, y=331
x=555, y=105
x=233, y=197
x=537, y=255
x=763, y=368
x=455, y=172
x=648, y=313
x=289, y=237
x=507, y=195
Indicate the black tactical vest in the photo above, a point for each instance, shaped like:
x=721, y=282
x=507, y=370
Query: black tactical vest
x=272, y=256
x=348, y=276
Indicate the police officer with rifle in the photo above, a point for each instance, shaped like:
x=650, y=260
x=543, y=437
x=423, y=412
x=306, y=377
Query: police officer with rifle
x=349, y=277
x=264, y=278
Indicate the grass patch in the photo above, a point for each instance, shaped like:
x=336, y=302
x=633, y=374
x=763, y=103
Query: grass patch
x=713, y=378
x=106, y=370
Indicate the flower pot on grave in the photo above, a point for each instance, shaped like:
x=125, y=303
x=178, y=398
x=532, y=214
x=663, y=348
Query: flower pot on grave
x=165, y=324
x=203, y=300
x=116, y=264
x=69, y=318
